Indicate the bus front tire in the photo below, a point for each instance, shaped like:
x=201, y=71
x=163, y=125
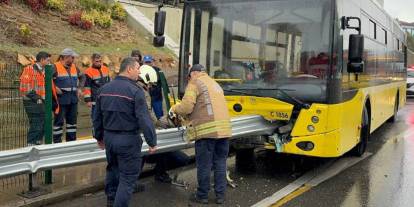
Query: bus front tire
x=361, y=147
x=245, y=159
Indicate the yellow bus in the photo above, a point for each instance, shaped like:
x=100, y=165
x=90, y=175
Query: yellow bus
x=327, y=73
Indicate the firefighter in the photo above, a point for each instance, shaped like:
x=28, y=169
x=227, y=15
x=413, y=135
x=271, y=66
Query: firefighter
x=209, y=125
x=95, y=77
x=163, y=161
x=67, y=79
x=120, y=115
x=32, y=89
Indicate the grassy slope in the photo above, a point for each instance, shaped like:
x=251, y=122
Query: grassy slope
x=52, y=32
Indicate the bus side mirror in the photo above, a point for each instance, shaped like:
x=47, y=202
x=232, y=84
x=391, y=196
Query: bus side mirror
x=356, y=53
x=159, y=25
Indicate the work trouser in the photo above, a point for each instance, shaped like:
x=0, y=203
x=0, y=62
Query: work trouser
x=69, y=114
x=211, y=154
x=123, y=154
x=92, y=111
x=157, y=108
x=36, y=115
x=166, y=161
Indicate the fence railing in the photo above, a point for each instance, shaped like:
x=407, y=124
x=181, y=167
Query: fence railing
x=13, y=119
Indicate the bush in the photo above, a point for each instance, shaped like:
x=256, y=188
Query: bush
x=118, y=12
x=75, y=18
x=93, y=5
x=103, y=20
x=25, y=31
x=4, y=1
x=90, y=16
x=36, y=5
x=57, y=5
x=80, y=19
x=86, y=24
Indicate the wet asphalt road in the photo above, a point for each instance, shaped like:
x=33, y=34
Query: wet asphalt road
x=386, y=178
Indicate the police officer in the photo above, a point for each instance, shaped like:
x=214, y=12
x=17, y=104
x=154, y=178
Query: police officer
x=67, y=78
x=120, y=114
x=210, y=127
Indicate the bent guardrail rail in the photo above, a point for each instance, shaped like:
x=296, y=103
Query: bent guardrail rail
x=44, y=157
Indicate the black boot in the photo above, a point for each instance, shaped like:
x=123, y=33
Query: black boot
x=195, y=199
x=164, y=178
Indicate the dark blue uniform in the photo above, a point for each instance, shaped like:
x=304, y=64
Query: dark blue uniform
x=120, y=114
x=156, y=94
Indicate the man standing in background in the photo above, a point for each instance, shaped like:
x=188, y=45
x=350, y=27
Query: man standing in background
x=32, y=88
x=67, y=79
x=95, y=77
x=156, y=91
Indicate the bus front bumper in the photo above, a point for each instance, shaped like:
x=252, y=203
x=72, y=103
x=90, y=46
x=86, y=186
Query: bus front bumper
x=320, y=145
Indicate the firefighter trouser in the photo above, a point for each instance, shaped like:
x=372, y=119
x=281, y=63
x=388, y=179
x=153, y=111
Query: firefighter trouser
x=36, y=115
x=211, y=154
x=123, y=154
x=69, y=114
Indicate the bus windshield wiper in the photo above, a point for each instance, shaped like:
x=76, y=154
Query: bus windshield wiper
x=241, y=92
x=283, y=91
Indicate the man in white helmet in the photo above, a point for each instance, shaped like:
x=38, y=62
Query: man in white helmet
x=163, y=161
x=146, y=79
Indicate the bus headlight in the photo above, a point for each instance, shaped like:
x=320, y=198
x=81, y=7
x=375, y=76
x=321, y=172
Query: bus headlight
x=315, y=119
x=311, y=128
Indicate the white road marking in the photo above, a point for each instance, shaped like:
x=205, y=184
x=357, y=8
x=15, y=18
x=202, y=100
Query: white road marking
x=313, y=178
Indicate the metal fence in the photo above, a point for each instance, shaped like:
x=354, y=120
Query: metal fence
x=13, y=119
x=14, y=124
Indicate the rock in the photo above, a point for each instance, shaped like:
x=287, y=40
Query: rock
x=23, y=60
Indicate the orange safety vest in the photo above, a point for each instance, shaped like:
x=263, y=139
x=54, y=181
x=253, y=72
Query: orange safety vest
x=67, y=81
x=95, y=78
x=34, y=80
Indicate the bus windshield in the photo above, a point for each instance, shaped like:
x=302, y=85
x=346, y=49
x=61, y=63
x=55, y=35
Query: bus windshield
x=277, y=45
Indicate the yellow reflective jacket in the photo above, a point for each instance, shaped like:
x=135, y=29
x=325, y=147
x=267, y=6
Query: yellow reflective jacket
x=206, y=109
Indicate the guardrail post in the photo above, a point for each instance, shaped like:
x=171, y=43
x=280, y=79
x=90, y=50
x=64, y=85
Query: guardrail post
x=34, y=189
x=48, y=115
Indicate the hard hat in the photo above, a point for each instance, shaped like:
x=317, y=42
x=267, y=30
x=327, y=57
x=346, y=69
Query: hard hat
x=148, y=74
x=147, y=58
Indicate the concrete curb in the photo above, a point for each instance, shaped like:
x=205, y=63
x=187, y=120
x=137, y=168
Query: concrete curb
x=59, y=196
x=69, y=192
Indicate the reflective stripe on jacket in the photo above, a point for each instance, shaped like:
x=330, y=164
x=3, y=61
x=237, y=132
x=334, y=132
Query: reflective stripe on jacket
x=32, y=80
x=95, y=79
x=67, y=81
x=205, y=106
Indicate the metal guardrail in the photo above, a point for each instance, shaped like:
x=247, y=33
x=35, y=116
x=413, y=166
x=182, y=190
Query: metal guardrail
x=45, y=157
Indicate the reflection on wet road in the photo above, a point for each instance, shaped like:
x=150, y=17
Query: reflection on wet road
x=385, y=178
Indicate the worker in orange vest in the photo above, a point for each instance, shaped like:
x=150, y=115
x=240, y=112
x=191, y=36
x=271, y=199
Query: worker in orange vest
x=96, y=76
x=68, y=79
x=32, y=89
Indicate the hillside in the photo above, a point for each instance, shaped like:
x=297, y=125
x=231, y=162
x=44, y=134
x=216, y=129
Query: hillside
x=51, y=31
